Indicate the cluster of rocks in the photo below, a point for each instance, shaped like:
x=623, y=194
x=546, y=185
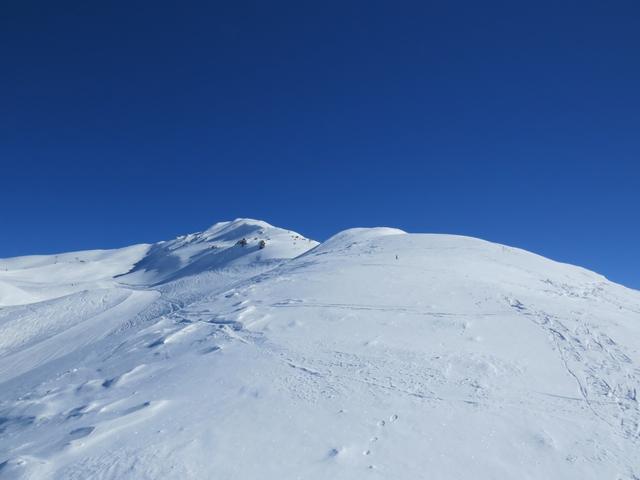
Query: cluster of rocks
x=243, y=243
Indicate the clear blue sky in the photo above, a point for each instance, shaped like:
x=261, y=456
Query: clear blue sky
x=517, y=122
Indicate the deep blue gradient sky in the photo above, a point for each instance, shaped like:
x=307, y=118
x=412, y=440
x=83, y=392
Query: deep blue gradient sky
x=517, y=122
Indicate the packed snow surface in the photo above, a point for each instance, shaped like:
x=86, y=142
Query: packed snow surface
x=377, y=355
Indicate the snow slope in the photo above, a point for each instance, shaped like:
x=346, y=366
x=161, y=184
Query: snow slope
x=376, y=354
x=25, y=280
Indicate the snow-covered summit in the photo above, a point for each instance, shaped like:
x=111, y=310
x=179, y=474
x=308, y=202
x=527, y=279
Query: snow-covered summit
x=354, y=236
x=240, y=226
x=240, y=243
x=376, y=354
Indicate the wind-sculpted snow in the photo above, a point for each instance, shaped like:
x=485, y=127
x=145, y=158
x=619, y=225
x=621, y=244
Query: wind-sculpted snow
x=377, y=354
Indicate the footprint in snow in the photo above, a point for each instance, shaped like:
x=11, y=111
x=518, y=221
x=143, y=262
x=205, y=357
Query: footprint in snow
x=212, y=349
x=156, y=343
x=392, y=419
x=76, y=412
x=135, y=408
x=81, y=432
x=108, y=383
x=334, y=452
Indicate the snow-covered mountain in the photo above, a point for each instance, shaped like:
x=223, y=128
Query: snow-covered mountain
x=376, y=354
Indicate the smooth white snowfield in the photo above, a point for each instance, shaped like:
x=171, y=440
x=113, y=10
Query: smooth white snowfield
x=376, y=354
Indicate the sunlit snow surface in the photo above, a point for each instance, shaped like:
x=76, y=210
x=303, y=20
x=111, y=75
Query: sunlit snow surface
x=377, y=354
